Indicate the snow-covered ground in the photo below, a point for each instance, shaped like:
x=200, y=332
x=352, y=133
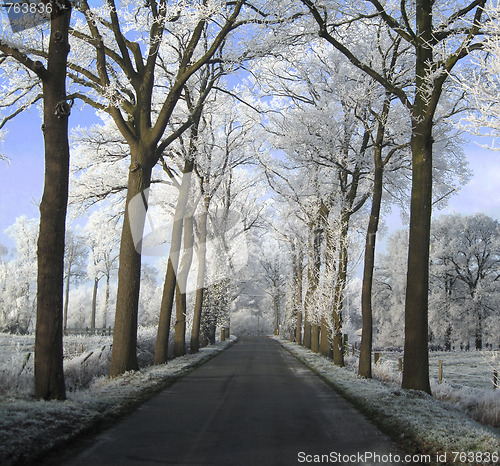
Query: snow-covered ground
x=29, y=427
x=442, y=423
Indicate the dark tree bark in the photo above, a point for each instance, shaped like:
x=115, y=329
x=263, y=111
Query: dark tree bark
x=49, y=376
x=365, y=358
x=94, y=304
x=124, y=354
x=338, y=303
x=298, y=331
x=315, y=338
x=416, y=353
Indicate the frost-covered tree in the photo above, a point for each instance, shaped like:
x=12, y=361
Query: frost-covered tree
x=75, y=261
x=389, y=292
x=273, y=277
x=465, y=269
x=480, y=79
x=34, y=67
x=439, y=34
x=102, y=232
x=464, y=286
x=137, y=63
x=18, y=289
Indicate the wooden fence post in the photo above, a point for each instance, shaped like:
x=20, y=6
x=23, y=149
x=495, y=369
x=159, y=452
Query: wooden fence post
x=376, y=357
x=440, y=371
x=400, y=364
x=222, y=334
x=495, y=379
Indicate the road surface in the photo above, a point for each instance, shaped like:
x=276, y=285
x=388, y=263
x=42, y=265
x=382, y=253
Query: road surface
x=254, y=404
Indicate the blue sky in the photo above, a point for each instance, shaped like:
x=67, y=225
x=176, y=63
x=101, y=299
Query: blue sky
x=21, y=182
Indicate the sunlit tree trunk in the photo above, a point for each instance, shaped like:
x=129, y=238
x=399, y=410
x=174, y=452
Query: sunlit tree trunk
x=180, y=291
x=200, y=282
x=124, y=352
x=167, y=301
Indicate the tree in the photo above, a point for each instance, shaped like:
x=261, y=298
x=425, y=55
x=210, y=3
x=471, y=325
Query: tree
x=49, y=377
x=463, y=291
x=103, y=239
x=75, y=257
x=222, y=145
x=143, y=91
x=437, y=49
x=320, y=133
x=479, y=81
x=122, y=84
x=389, y=292
x=19, y=278
x=466, y=263
x=274, y=279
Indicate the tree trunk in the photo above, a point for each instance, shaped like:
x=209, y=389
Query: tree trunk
x=276, y=306
x=180, y=322
x=167, y=301
x=479, y=329
x=313, y=271
x=66, y=298
x=416, y=366
x=180, y=290
x=298, y=332
x=94, y=304
x=124, y=352
x=416, y=349
x=338, y=347
x=325, y=345
x=49, y=376
x=200, y=282
x=365, y=355
x=315, y=338
x=106, y=302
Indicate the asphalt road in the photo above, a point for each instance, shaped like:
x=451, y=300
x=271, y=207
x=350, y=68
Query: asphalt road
x=254, y=404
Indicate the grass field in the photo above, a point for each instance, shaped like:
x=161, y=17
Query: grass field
x=472, y=369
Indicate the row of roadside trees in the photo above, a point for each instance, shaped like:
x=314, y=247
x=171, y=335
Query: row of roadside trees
x=152, y=69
